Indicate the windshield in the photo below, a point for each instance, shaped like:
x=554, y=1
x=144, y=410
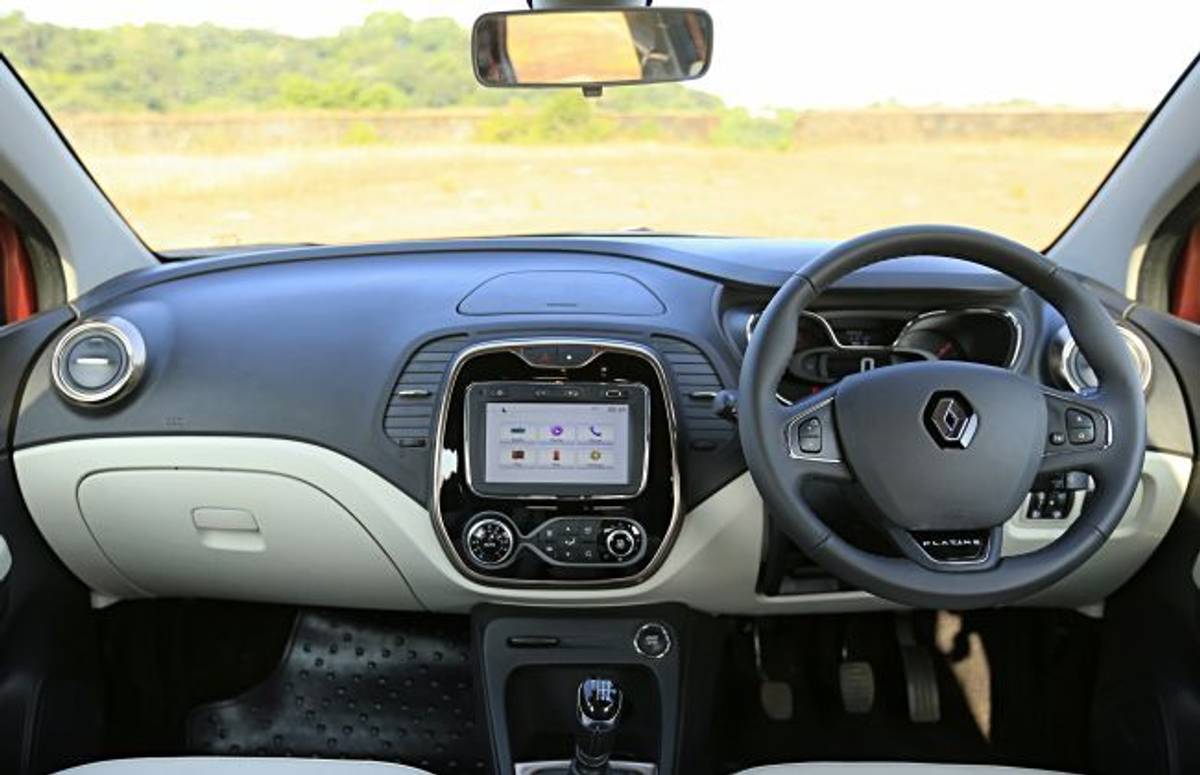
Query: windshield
x=214, y=124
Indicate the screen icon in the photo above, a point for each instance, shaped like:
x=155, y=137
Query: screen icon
x=557, y=432
x=555, y=457
x=597, y=433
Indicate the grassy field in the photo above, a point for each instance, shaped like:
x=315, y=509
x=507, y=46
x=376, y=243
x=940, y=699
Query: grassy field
x=1026, y=188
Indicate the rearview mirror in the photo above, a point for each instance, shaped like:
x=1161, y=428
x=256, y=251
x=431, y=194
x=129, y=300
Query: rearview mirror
x=591, y=48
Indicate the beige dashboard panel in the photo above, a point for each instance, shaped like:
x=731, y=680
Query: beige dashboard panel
x=121, y=549
x=236, y=535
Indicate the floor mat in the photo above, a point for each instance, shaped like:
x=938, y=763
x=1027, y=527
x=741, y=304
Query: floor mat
x=359, y=685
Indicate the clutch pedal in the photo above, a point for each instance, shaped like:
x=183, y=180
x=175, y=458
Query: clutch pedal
x=774, y=696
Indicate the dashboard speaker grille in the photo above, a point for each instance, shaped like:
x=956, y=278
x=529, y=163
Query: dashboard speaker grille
x=409, y=418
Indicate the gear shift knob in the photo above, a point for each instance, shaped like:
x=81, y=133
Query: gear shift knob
x=599, y=703
x=598, y=706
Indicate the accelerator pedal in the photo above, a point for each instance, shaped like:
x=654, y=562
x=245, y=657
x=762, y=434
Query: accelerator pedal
x=920, y=675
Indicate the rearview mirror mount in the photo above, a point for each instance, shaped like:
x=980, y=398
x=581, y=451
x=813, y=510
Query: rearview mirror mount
x=592, y=48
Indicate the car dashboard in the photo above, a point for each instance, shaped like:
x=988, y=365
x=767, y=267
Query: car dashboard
x=527, y=420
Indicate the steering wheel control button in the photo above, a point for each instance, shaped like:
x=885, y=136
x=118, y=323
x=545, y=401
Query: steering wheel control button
x=490, y=541
x=652, y=640
x=809, y=436
x=98, y=361
x=1057, y=438
x=1081, y=427
x=1055, y=496
x=951, y=420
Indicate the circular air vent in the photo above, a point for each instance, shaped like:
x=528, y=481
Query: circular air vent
x=98, y=361
x=1073, y=368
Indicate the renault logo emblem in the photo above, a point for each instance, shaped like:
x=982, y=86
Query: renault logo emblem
x=951, y=420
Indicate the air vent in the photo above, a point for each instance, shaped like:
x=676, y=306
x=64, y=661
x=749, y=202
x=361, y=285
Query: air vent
x=98, y=361
x=409, y=418
x=1073, y=369
x=697, y=383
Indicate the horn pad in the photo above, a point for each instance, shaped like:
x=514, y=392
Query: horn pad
x=942, y=446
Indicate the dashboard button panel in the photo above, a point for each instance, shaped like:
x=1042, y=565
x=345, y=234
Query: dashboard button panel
x=593, y=541
x=585, y=541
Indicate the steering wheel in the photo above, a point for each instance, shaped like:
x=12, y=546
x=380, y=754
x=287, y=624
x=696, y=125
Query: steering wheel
x=944, y=452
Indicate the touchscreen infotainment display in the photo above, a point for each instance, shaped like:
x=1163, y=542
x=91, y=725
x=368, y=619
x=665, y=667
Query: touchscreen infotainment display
x=576, y=440
x=557, y=444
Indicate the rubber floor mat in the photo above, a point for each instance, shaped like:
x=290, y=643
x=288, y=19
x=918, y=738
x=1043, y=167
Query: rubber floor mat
x=388, y=687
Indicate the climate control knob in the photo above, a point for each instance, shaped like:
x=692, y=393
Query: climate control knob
x=620, y=543
x=490, y=541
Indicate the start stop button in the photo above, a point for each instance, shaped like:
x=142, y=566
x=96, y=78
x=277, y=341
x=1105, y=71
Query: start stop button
x=652, y=640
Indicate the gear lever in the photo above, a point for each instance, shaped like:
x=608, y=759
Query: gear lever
x=598, y=707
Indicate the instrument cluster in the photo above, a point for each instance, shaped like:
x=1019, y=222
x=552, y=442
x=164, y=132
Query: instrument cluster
x=833, y=344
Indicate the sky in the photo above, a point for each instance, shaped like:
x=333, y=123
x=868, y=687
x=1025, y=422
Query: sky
x=818, y=53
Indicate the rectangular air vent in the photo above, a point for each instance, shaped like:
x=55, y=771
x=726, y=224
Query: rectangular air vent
x=696, y=383
x=409, y=419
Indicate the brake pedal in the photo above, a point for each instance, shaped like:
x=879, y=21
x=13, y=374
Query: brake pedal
x=856, y=682
x=920, y=675
x=774, y=696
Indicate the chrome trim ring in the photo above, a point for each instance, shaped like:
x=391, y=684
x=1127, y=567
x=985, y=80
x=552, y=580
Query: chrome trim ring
x=130, y=340
x=483, y=519
x=1065, y=351
x=515, y=346
x=608, y=544
x=666, y=633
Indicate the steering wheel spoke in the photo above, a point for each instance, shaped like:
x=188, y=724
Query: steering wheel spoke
x=1079, y=433
x=950, y=551
x=810, y=438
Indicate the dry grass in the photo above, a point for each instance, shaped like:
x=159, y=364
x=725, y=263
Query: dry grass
x=1026, y=188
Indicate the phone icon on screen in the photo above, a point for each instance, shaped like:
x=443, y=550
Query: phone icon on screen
x=595, y=431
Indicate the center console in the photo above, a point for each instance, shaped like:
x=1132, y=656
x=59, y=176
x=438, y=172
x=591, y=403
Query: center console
x=556, y=463
x=621, y=692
